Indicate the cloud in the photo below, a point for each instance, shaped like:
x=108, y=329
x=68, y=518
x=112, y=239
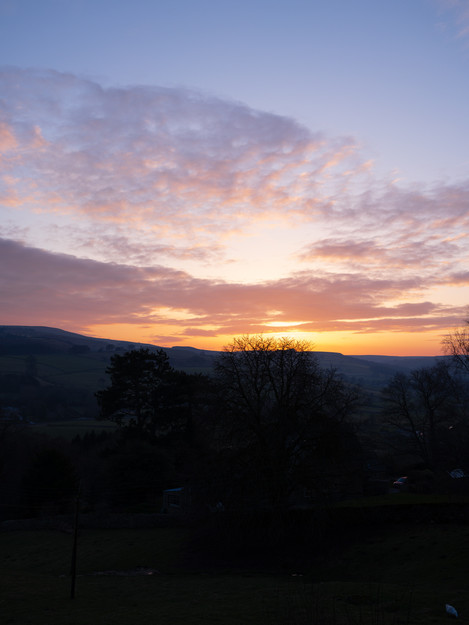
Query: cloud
x=115, y=244
x=132, y=205
x=175, y=172
x=174, y=159
x=402, y=253
x=70, y=292
x=418, y=230
x=459, y=11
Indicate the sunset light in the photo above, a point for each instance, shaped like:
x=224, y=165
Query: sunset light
x=186, y=188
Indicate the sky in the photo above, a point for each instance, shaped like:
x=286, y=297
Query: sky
x=181, y=172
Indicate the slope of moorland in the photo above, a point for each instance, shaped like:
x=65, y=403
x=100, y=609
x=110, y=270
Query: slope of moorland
x=48, y=372
x=24, y=341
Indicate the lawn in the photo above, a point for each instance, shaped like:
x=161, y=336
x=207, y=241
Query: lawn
x=404, y=574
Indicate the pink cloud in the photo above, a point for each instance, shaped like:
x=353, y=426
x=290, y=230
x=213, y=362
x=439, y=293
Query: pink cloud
x=387, y=254
x=187, y=165
x=54, y=289
x=112, y=153
x=7, y=139
x=134, y=181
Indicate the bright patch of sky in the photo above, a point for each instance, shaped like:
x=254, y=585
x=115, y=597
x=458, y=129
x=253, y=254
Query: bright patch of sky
x=221, y=160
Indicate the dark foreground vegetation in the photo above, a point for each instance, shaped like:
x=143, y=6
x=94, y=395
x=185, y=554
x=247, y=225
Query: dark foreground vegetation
x=257, y=490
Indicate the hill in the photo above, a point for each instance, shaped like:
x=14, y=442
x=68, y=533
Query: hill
x=52, y=369
x=18, y=342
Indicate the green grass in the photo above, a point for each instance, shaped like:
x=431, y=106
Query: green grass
x=404, y=574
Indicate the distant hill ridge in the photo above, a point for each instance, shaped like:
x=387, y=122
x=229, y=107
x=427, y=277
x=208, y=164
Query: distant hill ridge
x=371, y=370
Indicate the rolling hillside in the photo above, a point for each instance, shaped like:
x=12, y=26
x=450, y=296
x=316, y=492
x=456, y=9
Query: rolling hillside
x=53, y=367
x=69, y=354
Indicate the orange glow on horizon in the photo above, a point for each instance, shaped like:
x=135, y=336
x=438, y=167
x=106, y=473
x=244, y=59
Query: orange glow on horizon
x=347, y=343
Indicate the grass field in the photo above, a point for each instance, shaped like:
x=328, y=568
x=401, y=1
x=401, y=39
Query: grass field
x=85, y=371
x=395, y=575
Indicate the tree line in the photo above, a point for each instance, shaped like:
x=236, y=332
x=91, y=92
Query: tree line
x=270, y=420
x=268, y=428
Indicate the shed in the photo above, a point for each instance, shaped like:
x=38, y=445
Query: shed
x=176, y=500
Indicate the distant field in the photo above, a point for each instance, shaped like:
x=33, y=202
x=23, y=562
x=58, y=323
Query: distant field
x=77, y=371
x=12, y=364
x=389, y=576
x=87, y=371
x=76, y=427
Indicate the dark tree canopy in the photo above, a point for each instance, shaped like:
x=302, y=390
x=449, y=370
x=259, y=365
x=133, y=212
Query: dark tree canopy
x=281, y=411
x=50, y=481
x=424, y=406
x=135, y=395
x=149, y=398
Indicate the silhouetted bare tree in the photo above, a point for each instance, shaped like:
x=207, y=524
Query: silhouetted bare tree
x=456, y=345
x=422, y=406
x=282, y=413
